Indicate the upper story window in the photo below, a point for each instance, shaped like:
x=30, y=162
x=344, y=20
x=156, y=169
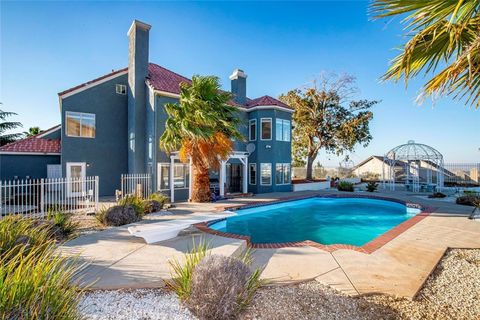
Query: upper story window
x=266, y=129
x=121, y=89
x=80, y=124
x=282, y=130
x=252, y=130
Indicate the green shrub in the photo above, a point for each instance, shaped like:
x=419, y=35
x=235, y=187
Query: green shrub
x=152, y=206
x=214, y=286
x=35, y=281
x=372, y=186
x=469, y=200
x=345, y=186
x=135, y=202
x=100, y=215
x=63, y=226
x=182, y=271
x=17, y=232
x=160, y=197
x=36, y=284
x=438, y=195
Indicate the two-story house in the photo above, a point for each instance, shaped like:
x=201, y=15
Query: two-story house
x=112, y=125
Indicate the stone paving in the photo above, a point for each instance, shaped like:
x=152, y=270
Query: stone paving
x=115, y=259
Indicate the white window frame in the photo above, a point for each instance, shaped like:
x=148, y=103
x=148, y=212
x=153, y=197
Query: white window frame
x=250, y=165
x=283, y=122
x=250, y=130
x=121, y=89
x=79, y=114
x=186, y=178
x=289, y=172
x=283, y=174
x=261, y=128
x=261, y=174
x=159, y=173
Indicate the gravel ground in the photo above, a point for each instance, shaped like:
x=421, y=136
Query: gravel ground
x=451, y=292
x=135, y=304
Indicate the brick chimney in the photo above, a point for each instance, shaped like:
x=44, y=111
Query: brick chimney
x=239, y=86
x=137, y=72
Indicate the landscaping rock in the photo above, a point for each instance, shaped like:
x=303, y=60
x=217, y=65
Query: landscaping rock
x=153, y=304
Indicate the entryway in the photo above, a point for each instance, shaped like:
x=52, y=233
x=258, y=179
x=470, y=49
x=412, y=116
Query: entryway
x=234, y=177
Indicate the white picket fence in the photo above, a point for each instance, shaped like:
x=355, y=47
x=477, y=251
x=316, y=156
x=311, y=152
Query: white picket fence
x=36, y=197
x=136, y=184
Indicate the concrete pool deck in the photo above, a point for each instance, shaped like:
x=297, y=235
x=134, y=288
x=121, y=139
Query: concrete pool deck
x=115, y=259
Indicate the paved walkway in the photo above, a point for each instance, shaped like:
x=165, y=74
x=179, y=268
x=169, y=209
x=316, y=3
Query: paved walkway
x=115, y=259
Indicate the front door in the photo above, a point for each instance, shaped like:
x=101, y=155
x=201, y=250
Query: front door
x=76, y=174
x=234, y=177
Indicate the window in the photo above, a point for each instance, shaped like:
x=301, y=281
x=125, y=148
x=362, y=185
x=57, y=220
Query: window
x=121, y=89
x=266, y=174
x=253, y=173
x=80, y=124
x=282, y=173
x=180, y=176
x=252, y=132
x=266, y=124
x=282, y=131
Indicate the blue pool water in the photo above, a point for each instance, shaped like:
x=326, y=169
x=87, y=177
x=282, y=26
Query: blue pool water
x=324, y=220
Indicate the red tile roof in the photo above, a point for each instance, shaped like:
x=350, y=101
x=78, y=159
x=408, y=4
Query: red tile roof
x=34, y=144
x=165, y=80
x=162, y=79
x=266, y=101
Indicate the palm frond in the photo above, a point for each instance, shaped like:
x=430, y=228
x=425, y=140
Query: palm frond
x=443, y=45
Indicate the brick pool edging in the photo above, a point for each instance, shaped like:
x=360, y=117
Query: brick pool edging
x=367, y=248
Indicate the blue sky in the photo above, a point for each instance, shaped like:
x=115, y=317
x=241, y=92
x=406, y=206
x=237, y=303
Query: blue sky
x=47, y=47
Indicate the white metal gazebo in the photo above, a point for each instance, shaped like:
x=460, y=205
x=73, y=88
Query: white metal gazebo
x=417, y=165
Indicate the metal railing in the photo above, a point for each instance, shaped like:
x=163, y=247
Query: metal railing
x=36, y=197
x=139, y=185
x=462, y=174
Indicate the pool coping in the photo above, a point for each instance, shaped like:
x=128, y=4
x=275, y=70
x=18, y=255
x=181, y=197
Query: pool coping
x=367, y=248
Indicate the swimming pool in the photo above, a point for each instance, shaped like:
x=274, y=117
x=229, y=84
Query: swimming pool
x=353, y=221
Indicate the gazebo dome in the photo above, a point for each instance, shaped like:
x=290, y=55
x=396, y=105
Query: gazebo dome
x=417, y=165
x=413, y=151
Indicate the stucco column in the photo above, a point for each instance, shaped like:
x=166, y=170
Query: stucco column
x=245, y=175
x=172, y=187
x=190, y=179
x=222, y=175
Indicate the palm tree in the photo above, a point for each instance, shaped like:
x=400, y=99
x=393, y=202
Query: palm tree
x=201, y=126
x=444, y=44
x=8, y=125
x=32, y=131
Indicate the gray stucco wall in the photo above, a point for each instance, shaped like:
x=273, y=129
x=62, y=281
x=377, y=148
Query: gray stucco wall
x=106, y=154
x=21, y=166
x=57, y=134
